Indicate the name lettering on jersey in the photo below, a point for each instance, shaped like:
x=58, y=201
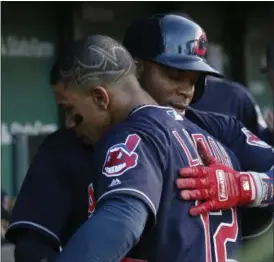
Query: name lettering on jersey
x=121, y=157
x=202, y=139
x=215, y=149
x=227, y=160
x=91, y=200
x=189, y=149
x=253, y=140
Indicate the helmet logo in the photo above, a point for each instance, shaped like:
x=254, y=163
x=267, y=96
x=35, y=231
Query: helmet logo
x=200, y=45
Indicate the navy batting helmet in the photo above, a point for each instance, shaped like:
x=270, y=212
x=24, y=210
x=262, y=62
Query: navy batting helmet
x=173, y=41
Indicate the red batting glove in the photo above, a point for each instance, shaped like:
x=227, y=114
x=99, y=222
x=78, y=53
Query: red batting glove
x=219, y=186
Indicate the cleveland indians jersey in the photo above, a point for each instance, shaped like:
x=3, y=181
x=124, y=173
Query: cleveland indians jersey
x=141, y=157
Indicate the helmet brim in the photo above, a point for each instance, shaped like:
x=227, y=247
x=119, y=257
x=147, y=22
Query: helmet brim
x=187, y=63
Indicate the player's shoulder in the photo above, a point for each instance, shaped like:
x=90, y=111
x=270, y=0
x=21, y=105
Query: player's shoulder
x=142, y=133
x=60, y=139
x=152, y=118
x=148, y=122
x=154, y=114
x=62, y=146
x=61, y=135
x=156, y=121
x=207, y=116
x=229, y=86
x=211, y=121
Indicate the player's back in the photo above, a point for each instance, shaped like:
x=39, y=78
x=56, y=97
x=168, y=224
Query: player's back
x=178, y=236
x=53, y=197
x=230, y=98
x=233, y=99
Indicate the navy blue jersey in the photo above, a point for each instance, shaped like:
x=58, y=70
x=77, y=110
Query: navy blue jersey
x=233, y=99
x=253, y=154
x=141, y=157
x=53, y=197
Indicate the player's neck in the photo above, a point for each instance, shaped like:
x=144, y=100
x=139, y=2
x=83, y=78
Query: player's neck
x=133, y=101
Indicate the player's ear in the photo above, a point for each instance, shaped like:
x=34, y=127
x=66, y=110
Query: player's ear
x=100, y=97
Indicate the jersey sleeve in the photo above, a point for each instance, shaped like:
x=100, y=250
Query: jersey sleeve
x=43, y=202
x=131, y=163
x=252, y=153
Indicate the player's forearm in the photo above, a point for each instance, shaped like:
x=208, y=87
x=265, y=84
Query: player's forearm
x=263, y=188
x=109, y=234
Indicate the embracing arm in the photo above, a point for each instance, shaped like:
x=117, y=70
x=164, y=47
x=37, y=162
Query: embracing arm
x=110, y=233
x=264, y=188
x=222, y=187
x=33, y=246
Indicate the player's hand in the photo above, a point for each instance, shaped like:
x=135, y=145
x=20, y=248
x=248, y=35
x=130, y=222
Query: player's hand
x=218, y=186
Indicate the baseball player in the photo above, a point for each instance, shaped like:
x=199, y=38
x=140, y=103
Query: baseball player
x=35, y=221
x=140, y=148
x=233, y=99
x=135, y=163
x=140, y=43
